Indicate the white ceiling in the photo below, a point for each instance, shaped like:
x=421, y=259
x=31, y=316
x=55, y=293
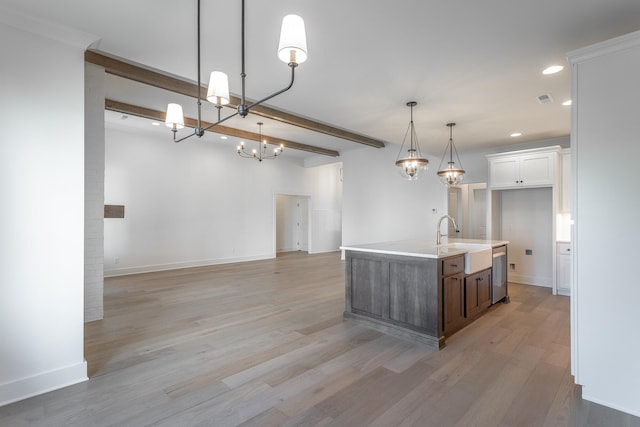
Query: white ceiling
x=477, y=63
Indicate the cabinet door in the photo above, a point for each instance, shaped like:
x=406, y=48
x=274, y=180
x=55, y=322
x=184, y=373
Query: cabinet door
x=537, y=169
x=565, y=205
x=563, y=268
x=484, y=289
x=471, y=295
x=503, y=172
x=477, y=290
x=453, y=306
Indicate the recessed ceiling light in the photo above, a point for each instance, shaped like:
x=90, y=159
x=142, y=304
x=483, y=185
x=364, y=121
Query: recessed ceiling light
x=515, y=134
x=155, y=123
x=552, y=69
x=223, y=137
x=567, y=103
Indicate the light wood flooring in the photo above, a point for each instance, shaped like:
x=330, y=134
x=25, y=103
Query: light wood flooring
x=264, y=344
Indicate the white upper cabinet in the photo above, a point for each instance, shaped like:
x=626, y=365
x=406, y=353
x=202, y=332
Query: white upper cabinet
x=526, y=168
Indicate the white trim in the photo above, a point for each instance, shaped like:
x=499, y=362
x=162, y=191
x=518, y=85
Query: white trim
x=24, y=388
x=184, y=264
x=530, y=280
x=617, y=44
x=67, y=35
x=586, y=396
x=549, y=149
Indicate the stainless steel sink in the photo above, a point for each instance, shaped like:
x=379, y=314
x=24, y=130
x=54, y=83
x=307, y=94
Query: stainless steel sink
x=478, y=256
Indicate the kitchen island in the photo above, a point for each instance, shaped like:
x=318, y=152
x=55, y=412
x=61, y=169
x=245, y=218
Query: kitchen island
x=419, y=290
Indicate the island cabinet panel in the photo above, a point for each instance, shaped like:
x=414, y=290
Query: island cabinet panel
x=408, y=296
x=395, y=294
x=370, y=290
x=477, y=289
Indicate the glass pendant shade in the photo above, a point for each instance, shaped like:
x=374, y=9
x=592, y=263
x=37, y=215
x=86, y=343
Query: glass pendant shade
x=218, y=91
x=451, y=175
x=174, y=118
x=413, y=165
x=293, y=40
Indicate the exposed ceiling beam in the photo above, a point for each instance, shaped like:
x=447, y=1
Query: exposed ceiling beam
x=148, y=113
x=143, y=74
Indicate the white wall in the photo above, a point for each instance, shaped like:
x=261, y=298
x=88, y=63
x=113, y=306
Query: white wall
x=605, y=292
x=199, y=203
x=380, y=206
x=42, y=215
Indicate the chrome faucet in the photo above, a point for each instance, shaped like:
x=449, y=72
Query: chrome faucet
x=438, y=234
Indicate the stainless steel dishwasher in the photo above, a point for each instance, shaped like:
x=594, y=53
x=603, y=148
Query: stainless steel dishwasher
x=499, y=275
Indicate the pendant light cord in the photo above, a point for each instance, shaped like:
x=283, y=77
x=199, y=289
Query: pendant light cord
x=199, y=130
x=241, y=107
x=451, y=143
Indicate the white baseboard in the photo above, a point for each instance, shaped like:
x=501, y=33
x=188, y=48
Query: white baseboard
x=586, y=396
x=545, y=282
x=185, y=264
x=24, y=388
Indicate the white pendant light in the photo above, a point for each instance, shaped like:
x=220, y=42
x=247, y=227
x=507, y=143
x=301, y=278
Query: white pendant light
x=292, y=49
x=451, y=175
x=174, y=118
x=293, y=40
x=218, y=90
x=413, y=165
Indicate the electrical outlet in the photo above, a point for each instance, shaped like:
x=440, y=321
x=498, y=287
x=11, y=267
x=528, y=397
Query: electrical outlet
x=528, y=251
x=116, y=260
x=512, y=267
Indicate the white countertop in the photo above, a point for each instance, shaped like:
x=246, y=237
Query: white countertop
x=422, y=248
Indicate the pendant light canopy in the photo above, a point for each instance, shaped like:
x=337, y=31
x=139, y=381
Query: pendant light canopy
x=451, y=175
x=413, y=164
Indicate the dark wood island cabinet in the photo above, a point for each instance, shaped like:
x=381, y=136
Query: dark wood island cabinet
x=423, y=298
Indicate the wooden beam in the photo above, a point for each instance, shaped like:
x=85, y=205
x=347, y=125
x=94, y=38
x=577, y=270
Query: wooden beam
x=143, y=74
x=148, y=113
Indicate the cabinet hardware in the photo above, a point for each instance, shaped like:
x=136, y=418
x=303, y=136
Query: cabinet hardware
x=454, y=265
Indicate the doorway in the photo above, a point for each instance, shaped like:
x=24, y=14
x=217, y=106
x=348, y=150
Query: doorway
x=292, y=223
x=467, y=204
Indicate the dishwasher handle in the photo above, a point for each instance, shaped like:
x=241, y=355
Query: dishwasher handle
x=499, y=254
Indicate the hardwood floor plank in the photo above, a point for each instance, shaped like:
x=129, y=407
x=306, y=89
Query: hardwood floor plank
x=263, y=343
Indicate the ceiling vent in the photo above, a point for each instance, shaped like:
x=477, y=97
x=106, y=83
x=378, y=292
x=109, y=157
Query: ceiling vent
x=545, y=98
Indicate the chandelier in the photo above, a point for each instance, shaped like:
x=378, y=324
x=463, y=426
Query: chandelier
x=451, y=175
x=292, y=49
x=261, y=153
x=413, y=164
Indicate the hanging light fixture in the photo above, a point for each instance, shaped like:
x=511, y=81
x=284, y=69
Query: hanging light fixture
x=413, y=165
x=261, y=153
x=292, y=49
x=451, y=175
